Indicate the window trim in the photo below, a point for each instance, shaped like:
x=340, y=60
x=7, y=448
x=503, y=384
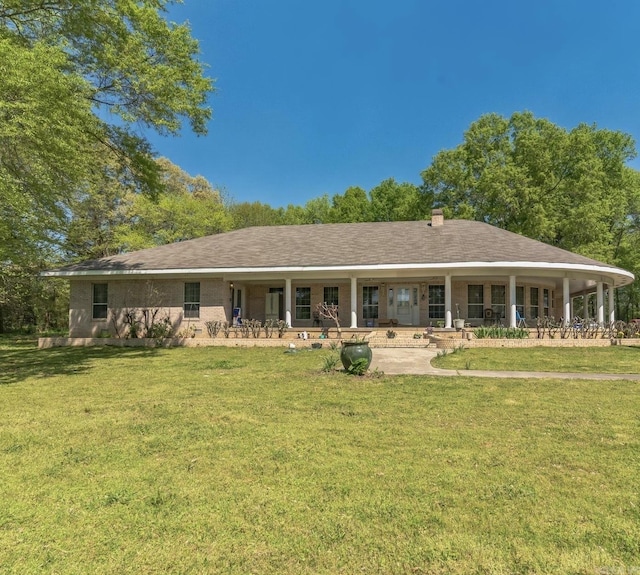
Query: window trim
x=102, y=305
x=499, y=292
x=370, y=302
x=534, y=305
x=435, y=307
x=331, y=300
x=520, y=298
x=191, y=307
x=477, y=306
x=303, y=309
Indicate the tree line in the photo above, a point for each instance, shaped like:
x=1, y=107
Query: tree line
x=78, y=79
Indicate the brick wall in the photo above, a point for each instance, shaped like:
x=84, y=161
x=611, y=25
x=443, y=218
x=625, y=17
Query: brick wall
x=168, y=295
x=215, y=301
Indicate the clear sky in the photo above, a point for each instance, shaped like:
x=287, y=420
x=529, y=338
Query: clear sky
x=315, y=97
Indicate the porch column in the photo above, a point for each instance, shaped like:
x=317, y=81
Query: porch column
x=447, y=300
x=287, y=301
x=354, y=302
x=512, y=301
x=600, y=302
x=585, y=305
x=566, y=301
x=612, y=304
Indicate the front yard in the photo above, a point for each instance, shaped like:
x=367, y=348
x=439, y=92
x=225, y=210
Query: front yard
x=215, y=460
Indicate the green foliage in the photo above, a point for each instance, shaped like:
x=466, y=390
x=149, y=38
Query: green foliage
x=568, y=188
x=330, y=362
x=32, y=304
x=352, y=206
x=394, y=202
x=161, y=328
x=135, y=63
x=187, y=208
x=248, y=214
x=359, y=366
x=46, y=141
x=500, y=332
x=79, y=79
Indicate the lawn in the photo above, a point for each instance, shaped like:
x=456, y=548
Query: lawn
x=616, y=359
x=214, y=460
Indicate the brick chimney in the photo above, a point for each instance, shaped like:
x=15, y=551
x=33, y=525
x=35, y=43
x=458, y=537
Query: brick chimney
x=437, y=218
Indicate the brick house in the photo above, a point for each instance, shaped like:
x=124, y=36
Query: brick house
x=417, y=273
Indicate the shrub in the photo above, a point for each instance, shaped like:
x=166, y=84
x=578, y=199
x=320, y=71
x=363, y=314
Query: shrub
x=500, y=332
x=359, y=366
x=330, y=363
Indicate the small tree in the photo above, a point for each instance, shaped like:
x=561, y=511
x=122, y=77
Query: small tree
x=149, y=321
x=329, y=311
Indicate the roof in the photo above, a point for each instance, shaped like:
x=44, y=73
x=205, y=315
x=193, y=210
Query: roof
x=403, y=244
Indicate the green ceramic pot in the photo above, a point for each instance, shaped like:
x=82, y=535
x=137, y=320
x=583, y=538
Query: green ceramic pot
x=353, y=351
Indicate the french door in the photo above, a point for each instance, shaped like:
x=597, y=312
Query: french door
x=403, y=304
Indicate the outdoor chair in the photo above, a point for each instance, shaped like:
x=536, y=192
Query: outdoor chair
x=520, y=320
x=488, y=316
x=317, y=322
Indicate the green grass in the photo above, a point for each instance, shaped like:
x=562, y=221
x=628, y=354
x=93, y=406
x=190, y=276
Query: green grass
x=616, y=359
x=213, y=460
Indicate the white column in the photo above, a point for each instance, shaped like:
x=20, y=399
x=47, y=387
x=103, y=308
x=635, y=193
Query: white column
x=566, y=301
x=600, y=302
x=447, y=300
x=354, y=302
x=512, y=301
x=287, y=301
x=612, y=304
x=585, y=305
x=571, y=308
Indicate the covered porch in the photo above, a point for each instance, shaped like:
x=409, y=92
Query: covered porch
x=509, y=297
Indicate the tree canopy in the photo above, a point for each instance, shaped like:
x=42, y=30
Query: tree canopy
x=569, y=188
x=77, y=78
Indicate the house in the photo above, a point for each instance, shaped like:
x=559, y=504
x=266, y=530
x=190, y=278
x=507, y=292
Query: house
x=418, y=273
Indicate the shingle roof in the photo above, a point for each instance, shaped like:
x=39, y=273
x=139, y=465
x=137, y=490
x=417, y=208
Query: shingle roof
x=358, y=244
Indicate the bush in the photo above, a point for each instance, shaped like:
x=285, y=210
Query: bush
x=359, y=366
x=500, y=332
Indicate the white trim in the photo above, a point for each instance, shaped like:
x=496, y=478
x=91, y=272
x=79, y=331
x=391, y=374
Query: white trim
x=600, y=302
x=288, y=298
x=512, y=301
x=612, y=304
x=447, y=301
x=457, y=266
x=354, y=302
x=566, y=301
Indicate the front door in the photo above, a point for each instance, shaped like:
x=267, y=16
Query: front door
x=405, y=305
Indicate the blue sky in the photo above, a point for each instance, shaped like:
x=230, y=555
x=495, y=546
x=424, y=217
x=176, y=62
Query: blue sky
x=315, y=97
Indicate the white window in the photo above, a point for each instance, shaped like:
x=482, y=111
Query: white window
x=534, y=304
x=475, y=301
x=370, y=302
x=331, y=295
x=192, y=300
x=303, y=303
x=100, y=297
x=436, y=302
x=498, y=300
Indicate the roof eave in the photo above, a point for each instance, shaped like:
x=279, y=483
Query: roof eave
x=621, y=277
